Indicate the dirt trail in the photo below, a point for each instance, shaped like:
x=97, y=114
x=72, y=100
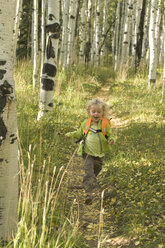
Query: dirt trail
x=95, y=222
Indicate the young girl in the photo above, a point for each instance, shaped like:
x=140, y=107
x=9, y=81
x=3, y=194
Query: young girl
x=94, y=144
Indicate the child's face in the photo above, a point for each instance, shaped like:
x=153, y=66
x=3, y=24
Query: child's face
x=96, y=113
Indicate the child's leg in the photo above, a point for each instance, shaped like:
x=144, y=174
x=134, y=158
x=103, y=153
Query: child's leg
x=89, y=180
x=98, y=162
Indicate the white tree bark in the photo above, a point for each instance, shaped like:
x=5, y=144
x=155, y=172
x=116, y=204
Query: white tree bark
x=135, y=26
x=51, y=52
x=157, y=32
x=163, y=88
x=82, y=33
x=8, y=125
x=64, y=43
x=116, y=37
x=126, y=37
x=145, y=45
x=104, y=30
x=71, y=29
x=42, y=33
x=35, y=43
x=152, y=45
x=97, y=32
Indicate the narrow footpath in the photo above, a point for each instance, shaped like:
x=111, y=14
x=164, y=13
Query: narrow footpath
x=94, y=221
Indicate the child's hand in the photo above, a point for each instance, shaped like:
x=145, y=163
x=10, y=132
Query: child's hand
x=111, y=142
x=66, y=137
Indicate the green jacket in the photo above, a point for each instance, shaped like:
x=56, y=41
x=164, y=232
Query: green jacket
x=79, y=134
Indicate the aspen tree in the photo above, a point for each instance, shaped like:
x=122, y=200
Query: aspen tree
x=43, y=4
x=145, y=44
x=116, y=36
x=152, y=45
x=126, y=37
x=16, y=26
x=71, y=29
x=89, y=39
x=64, y=43
x=35, y=42
x=93, y=33
x=49, y=66
x=137, y=8
x=82, y=32
x=97, y=33
x=8, y=125
x=163, y=88
x=122, y=23
x=140, y=35
x=157, y=32
x=104, y=29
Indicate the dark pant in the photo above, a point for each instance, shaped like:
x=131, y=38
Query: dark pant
x=92, y=167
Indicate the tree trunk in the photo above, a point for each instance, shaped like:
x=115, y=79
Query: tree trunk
x=145, y=43
x=116, y=36
x=163, y=88
x=89, y=41
x=64, y=48
x=49, y=66
x=97, y=31
x=140, y=35
x=136, y=31
x=126, y=37
x=82, y=33
x=16, y=26
x=152, y=45
x=71, y=29
x=35, y=42
x=8, y=126
x=104, y=32
x=42, y=34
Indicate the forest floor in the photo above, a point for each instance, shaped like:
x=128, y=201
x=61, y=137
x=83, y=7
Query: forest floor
x=95, y=222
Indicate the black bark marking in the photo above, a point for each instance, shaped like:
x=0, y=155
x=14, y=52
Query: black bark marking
x=12, y=135
x=2, y=62
x=1, y=160
x=53, y=28
x=49, y=69
x=54, y=36
x=47, y=84
x=49, y=49
x=152, y=81
x=87, y=51
x=2, y=73
x=2, y=102
x=3, y=131
x=72, y=16
x=6, y=88
x=50, y=104
x=13, y=140
x=51, y=17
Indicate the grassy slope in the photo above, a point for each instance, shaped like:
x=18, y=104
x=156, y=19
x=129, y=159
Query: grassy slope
x=135, y=167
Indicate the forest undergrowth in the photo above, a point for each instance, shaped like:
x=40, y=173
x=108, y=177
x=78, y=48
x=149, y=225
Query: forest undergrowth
x=135, y=168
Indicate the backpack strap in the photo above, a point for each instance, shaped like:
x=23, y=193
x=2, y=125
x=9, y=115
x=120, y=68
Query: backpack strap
x=104, y=123
x=87, y=126
x=104, y=126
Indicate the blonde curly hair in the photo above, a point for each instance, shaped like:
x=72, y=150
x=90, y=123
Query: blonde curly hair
x=102, y=104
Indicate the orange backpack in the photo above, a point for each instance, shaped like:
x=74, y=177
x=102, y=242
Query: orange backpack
x=104, y=123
